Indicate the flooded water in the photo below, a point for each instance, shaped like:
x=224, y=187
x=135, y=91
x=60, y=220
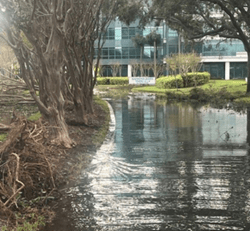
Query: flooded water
x=166, y=167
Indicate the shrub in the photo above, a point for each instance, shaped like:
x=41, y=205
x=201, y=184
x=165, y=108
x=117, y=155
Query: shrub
x=102, y=81
x=196, y=79
x=169, y=82
x=112, y=81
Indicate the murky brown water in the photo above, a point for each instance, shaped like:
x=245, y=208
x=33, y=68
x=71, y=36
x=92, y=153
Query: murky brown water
x=170, y=167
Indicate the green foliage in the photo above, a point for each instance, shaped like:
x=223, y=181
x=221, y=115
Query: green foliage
x=184, y=63
x=112, y=80
x=31, y=222
x=169, y=82
x=153, y=37
x=35, y=117
x=139, y=40
x=196, y=79
x=129, y=10
x=3, y=137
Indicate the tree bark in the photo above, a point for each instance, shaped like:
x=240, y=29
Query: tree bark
x=248, y=72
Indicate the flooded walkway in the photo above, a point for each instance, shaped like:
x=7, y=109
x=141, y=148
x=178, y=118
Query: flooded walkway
x=167, y=167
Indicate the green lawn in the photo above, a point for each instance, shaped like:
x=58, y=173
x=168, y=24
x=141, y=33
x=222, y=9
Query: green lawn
x=236, y=87
x=225, y=89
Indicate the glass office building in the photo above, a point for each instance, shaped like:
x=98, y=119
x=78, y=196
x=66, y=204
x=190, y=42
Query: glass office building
x=224, y=60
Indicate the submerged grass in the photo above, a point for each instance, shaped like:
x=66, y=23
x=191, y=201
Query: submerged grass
x=99, y=137
x=215, y=91
x=114, y=91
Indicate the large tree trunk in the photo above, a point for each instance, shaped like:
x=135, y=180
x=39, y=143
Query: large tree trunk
x=59, y=128
x=248, y=72
x=54, y=43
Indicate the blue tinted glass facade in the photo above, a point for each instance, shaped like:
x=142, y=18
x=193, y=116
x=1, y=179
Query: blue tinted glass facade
x=217, y=48
x=119, y=48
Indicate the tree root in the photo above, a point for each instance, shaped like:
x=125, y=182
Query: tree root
x=28, y=167
x=18, y=181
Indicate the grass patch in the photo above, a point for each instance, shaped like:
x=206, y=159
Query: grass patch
x=35, y=116
x=213, y=91
x=100, y=136
x=151, y=89
x=243, y=100
x=235, y=87
x=231, y=89
x=3, y=137
x=31, y=222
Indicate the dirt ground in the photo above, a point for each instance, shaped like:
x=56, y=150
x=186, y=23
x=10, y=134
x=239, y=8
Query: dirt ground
x=33, y=172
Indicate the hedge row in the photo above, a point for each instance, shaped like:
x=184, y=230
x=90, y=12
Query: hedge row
x=112, y=80
x=166, y=82
x=169, y=82
x=192, y=79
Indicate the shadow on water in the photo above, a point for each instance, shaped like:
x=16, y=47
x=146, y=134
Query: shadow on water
x=169, y=167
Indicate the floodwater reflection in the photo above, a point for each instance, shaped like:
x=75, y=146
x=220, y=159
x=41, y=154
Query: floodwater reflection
x=170, y=167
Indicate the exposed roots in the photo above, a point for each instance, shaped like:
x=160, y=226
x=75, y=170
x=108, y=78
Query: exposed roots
x=27, y=176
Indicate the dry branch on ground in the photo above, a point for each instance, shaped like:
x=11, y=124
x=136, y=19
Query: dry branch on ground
x=25, y=165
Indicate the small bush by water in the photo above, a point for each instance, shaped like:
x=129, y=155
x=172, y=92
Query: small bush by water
x=169, y=82
x=196, y=79
x=189, y=80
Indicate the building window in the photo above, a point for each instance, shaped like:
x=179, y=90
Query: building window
x=105, y=53
x=125, y=52
x=125, y=33
x=118, y=52
x=238, y=70
x=147, y=52
x=130, y=32
x=173, y=49
x=118, y=33
x=111, y=53
x=217, y=70
x=110, y=34
x=147, y=30
x=172, y=33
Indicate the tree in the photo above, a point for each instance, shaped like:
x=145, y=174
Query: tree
x=135, y=67
x=184, y=63
x=200, y=18
x=54, y=45
x=116, y=69
x=153, y=39
x=139, y=41
x=128, y=11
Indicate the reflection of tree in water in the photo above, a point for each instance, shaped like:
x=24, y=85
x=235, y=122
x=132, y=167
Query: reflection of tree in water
x=248, y=127
x=164, y=180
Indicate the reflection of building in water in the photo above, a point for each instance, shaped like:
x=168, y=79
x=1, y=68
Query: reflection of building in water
x=164, y=180
x=182, y=116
